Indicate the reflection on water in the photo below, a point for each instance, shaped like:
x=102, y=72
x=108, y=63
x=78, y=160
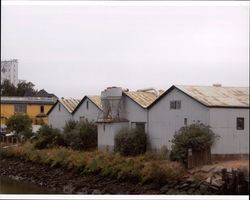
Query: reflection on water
x=10, y=186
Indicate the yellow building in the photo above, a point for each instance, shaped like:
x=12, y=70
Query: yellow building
x=35, y=107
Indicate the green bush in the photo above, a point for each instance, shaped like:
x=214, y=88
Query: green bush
x=26, y=135
x=138, y=168
x=198, y=137
x=80, y=136
x=19, y=123
x=70, y=125
x=48, y=137
x=131, y=142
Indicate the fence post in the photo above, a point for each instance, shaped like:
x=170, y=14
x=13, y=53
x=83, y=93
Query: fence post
x=190, y=158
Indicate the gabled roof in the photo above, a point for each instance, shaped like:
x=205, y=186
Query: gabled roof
x=214, y=96
x=68, y=104
x=143, y=99
x=95, y=99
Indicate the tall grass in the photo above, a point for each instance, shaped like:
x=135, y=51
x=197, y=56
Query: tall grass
x=143, y=168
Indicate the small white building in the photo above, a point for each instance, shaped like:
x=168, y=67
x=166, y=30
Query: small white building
x=123, y=109
x=89, y=108
x=224, y=109
x=61, y=112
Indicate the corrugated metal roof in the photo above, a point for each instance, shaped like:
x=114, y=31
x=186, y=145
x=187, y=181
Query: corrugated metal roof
x=218, y=95
x=144, y=99
x=69, y=104
x=96, y=100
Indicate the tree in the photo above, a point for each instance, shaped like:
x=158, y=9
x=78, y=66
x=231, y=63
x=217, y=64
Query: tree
x=23, y=89
x=21, y=124
x=7, y=89
x=196, y=136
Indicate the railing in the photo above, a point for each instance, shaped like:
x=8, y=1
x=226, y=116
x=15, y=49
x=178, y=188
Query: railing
x=9, y=139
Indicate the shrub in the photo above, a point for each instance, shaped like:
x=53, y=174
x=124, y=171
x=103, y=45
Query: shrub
x=48, y=137
x=81, y=136
x=21, y=124
x=161, y=171
x=196, y=136
x=70, y=125
x=26, y=135
x=131, y=141
x=112, y=165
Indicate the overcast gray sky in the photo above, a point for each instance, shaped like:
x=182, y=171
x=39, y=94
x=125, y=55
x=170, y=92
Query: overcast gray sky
x=74, y=51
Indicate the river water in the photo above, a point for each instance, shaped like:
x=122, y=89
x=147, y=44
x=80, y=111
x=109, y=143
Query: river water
x=10, y=186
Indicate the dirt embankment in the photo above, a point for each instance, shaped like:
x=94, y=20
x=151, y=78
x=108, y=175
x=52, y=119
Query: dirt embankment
x=62, y=181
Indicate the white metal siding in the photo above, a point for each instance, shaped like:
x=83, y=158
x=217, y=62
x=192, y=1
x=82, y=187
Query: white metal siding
x=223, y=123
x=134, y=112
x=57, y=119
x=91, y=113
x=106, y=137
x=164, y=122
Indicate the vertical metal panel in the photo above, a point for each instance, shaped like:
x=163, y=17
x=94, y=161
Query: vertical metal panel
x=164, y=122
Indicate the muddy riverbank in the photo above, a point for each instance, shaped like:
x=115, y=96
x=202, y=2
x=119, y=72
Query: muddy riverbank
x=61, y=181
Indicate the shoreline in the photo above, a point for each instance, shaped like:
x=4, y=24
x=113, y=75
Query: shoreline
x=62, y=181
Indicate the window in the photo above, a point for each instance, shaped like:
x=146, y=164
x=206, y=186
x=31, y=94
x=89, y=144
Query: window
x=140, y=125
x=82, y=119
x=87, y=105
x=185, y=121
x=175, y=104
x=20, y=108
x=59, y=107
x=41, y=109
x=172, y=104
x=240, y=123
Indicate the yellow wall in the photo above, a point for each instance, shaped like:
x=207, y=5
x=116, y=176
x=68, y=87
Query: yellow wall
x=7, y=110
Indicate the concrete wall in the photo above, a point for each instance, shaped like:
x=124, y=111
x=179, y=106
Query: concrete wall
x=92, y=113
x=223, y=123
x=107, y=132
x=164, y=122
x=57, y=119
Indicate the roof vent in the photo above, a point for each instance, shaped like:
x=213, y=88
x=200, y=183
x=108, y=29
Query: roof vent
x=217, y=85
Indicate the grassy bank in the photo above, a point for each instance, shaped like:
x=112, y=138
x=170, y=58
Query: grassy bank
x=144, y=168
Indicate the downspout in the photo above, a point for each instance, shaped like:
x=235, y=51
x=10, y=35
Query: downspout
x=147, y=121
x=148, y=145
